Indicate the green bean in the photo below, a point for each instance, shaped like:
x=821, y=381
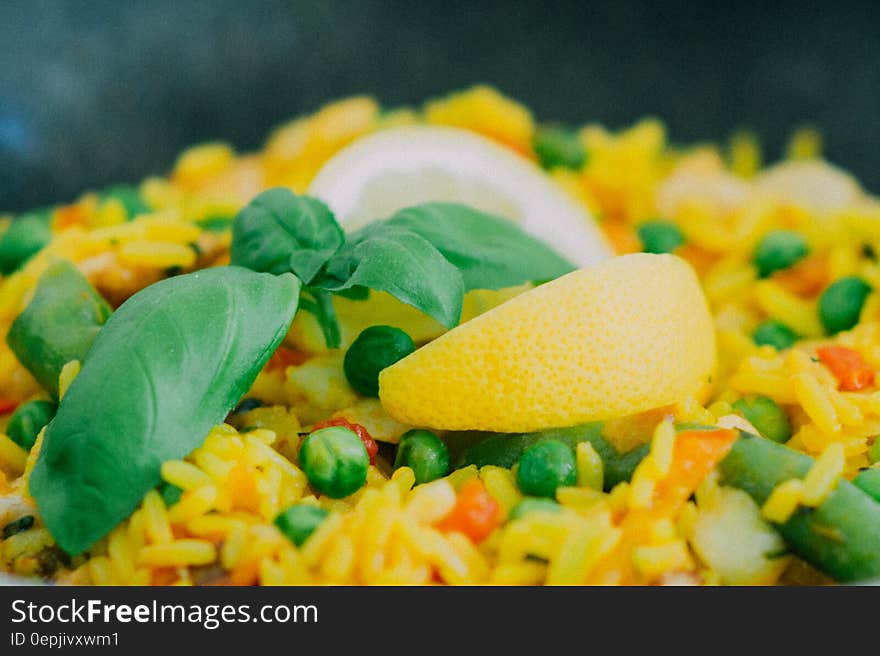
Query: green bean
x=28, y=420
x=841, y=537
x=25, y=237
x=58, y=325
x=874, y=451
x=868, y=481
x=505, y=449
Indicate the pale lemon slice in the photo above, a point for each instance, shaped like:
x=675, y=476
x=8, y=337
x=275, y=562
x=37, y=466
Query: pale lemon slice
x=618, y=338
x=813, y=184
x=395, y=168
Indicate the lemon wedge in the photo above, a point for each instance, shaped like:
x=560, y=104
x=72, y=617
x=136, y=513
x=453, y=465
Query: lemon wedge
x=395, y=168
x=618, y=338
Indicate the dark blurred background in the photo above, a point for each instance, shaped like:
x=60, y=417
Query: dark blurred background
x=101, y=91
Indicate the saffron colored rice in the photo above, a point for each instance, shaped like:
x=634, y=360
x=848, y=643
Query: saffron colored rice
x=391, y=531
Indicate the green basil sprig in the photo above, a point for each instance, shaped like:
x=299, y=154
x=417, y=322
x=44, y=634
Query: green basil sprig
x=279, y=232
x=392, y=259
x=168, y=365
x=490, y=252
x=427, y=256
x=319, y=303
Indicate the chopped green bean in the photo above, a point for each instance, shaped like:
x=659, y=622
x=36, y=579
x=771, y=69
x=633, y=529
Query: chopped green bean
x=841, y=537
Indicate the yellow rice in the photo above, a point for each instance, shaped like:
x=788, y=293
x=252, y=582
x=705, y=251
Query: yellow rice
x=222, y=531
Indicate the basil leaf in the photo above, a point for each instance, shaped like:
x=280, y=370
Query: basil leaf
x=168, y=365
x=25, y=237
x=490, y=252
x=355, y=293
x=58, y=325
x=279, y=232
x=392, y=259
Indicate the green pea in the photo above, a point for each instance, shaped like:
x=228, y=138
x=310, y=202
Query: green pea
x=130, y=198
x=558, y=147
x=375, y=348
x=170, y=493
x=545, y=466
x=660, y=236
x=874, y=451
x=335, y=461
x=530, y=505
x=299, y=521
x=424, y=453
x=776, y=334
x=841, y=303
x=779, y=250
x=766, y=416
x=216, y=223
x=28, y=420
x=23, y=239
x=868, y=481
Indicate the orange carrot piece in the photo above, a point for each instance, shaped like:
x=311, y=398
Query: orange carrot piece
x=475, y=514
x=806, y=278
x=163, y=576
x=850, y=370
x=286, y=357
x=245, y=574
x=7, y=406
x=699, y=259
x=622, y=236
x=695, y=455
x=69, y=215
